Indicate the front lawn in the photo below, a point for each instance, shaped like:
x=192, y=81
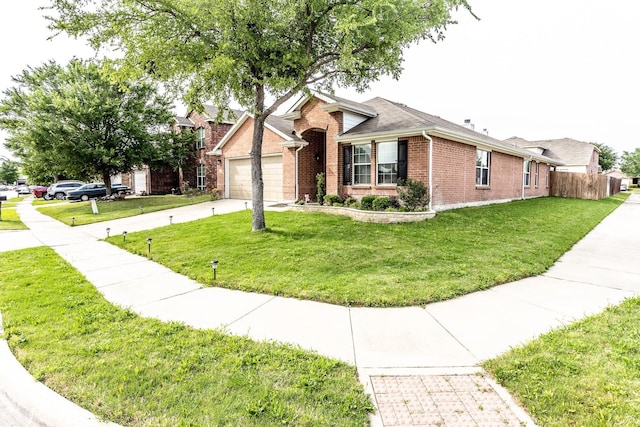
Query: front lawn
x=334, y=259
x=115, y=209
x=585, y=374
x=10, y=219
x=144, y=372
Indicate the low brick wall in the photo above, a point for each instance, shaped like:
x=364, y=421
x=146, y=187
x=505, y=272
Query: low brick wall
x=367, y=216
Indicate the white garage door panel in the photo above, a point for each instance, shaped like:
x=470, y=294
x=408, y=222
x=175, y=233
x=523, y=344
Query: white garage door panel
x=240, y=178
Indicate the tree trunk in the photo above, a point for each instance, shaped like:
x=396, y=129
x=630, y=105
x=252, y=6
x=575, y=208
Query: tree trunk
x=257, y=185
x=106, y=178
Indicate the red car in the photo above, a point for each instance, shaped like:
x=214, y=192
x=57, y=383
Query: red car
x=40, y=191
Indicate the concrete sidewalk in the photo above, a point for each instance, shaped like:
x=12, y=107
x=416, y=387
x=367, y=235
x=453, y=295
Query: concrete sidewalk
x=451, y=337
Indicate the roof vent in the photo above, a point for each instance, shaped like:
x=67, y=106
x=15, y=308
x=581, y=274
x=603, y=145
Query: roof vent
x=468, y=124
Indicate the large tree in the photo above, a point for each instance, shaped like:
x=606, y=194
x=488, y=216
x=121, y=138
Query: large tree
x=258, y=52
x=75, y=121
x=630, y=163
x=9, y=172
x=607, y=158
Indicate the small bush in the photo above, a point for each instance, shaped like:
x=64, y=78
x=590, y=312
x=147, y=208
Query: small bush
x=381, y=204
x=413, y=194
x=351, y=202
x=395, y=202
x=366, y=202
x=321, y=188
x=332, y=200
x=215, y=194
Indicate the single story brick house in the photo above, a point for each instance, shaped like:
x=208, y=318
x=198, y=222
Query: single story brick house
x=576, y=156
x=364, y=148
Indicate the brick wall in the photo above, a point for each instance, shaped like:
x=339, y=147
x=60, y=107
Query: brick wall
x=163, y=180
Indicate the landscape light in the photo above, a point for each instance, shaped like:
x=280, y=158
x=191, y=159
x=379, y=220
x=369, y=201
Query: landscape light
x=149, y=244
x=140, y=207
x=213, y=211
x=73, y=220
x=124, y=237
x=214, y=266
x=108, y=231
x=245, y=205
x=170, y=219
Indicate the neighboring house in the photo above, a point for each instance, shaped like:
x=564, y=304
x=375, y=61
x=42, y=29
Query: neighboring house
x=201, y=171
x=624, y=179
x=364, y=148
x=577, y=156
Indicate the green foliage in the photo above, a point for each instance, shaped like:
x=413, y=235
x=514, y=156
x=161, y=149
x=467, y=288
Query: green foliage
x=249, y=49
x=176, y=151
x=145, y=372
x=9, y=172
x=351, y=202
x=74, y=121
x=607, y=157
x=630, y=163
x=413, y=194
x=320, y=184
x=381, y=203
x=366, y=202
x=332, y=200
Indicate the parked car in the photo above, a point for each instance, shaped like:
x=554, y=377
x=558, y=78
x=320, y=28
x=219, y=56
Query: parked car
x=95, y=190
x=60, y=189
x=3, y=187
x=23, y=189
x=39, y=191
x=623, y=186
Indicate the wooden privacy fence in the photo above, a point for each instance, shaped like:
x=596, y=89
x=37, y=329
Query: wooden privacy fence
x=582, y=185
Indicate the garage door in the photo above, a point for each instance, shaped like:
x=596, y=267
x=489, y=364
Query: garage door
x=240, y=178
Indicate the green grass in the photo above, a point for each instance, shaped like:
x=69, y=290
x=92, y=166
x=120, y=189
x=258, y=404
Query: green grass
x=144, y=372
x=334, y=259
x=585, y=374
x=10, y=219
x=109, y=210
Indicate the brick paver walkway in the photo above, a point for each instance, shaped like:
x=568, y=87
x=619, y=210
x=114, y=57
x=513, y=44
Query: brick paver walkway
x=441, y=401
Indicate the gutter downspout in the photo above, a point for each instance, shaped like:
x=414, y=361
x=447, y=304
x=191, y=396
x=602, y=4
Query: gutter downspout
x=428, y=138
x=297, y=185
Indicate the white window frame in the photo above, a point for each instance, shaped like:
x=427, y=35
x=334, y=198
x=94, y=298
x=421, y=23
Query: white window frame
x=360, y=178
x=201, y=136
x=527, y=173
x=537, y=175
x=201, y=177
x=388, y=178
x=482, y=166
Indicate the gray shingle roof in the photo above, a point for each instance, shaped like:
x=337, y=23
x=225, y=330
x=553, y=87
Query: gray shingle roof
x=184, y=122
x=284, y=126
x=569, y=151
x=211, y=113
x=395, y=117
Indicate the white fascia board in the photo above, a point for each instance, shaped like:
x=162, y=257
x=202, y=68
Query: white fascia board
x=293, y=144
x=379, y=136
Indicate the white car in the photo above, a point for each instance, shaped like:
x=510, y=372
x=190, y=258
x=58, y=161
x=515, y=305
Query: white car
x=60, y=189
x=623, y=186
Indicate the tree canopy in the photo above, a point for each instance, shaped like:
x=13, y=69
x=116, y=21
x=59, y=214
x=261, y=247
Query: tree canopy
x=9, y=172
x=630, y=162
x=607, y=158
x=75, y=122
x=254, y=51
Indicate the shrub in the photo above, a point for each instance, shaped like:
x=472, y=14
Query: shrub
x=321, y=187
x=366, y=202
x=351, y=202
x=332, y=200
x=381, y=204
x=413, y=194
x=215, y=194
x=395, y=202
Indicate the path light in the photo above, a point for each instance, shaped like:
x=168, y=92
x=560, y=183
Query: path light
x=108, y=231
x=140, y=207
x=213, y=211
x=214, y=266
x=245, y=205
x=170, y=219
x=149, y=244
x=73, y=220
x=124, y=237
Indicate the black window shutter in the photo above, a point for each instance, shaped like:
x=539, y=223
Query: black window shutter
x=403, y=153
x=346, y=169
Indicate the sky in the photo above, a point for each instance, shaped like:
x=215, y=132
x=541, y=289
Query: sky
x=536, y=69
